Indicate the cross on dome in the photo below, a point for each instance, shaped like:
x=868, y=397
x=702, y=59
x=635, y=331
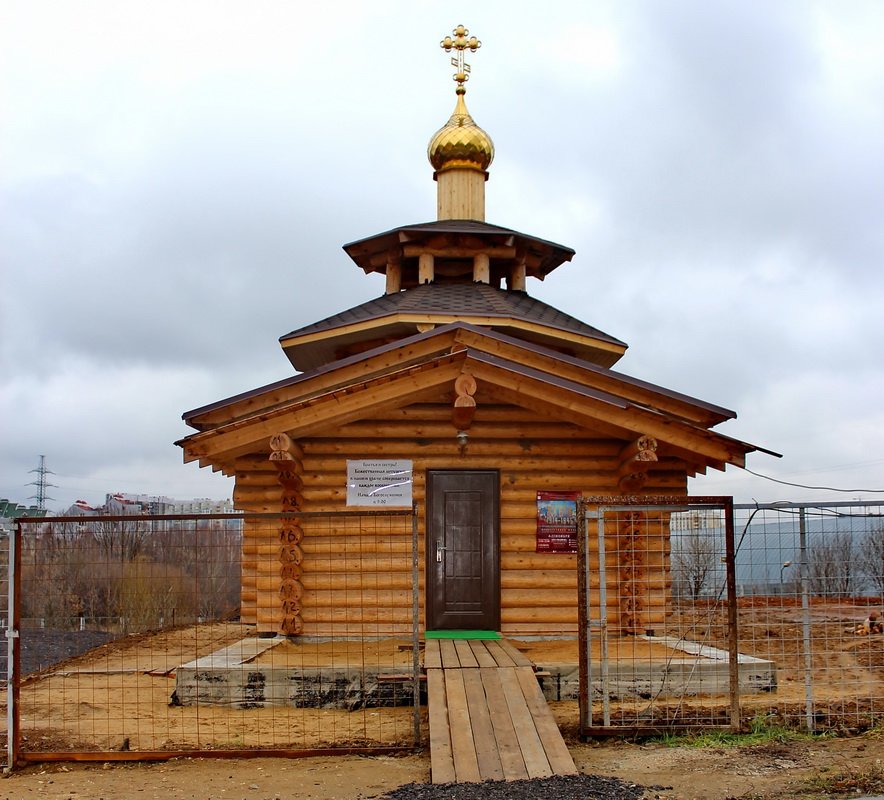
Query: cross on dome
x=460, y=151
x=461, y=41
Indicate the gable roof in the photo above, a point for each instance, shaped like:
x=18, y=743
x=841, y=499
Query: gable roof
x=424, y=367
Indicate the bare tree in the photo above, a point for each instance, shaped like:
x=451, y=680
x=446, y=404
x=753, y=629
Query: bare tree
x=210, y=552
x=119, y=539
x=872, y=558
x=833, y=567
x=694, y=556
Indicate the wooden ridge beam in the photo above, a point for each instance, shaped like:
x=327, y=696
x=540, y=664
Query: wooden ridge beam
x=417, y=250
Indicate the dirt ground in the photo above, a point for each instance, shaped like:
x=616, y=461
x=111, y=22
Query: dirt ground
x=764, y=772
x=117, y=697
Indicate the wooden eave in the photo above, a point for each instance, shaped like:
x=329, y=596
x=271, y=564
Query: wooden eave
x=454, y=238
x=589, y=407
x=688, y=408
x=335, y=407
x=440, y=339
x=543, y=391
x=302, y=387
x=612, y=350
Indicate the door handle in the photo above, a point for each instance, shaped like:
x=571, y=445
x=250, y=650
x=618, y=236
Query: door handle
x=439, y=551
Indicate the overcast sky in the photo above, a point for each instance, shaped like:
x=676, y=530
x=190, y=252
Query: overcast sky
x=178, y=179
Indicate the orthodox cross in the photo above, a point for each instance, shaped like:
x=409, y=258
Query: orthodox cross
x=460, y=42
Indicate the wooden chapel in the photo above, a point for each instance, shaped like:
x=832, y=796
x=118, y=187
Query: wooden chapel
x=490, y=394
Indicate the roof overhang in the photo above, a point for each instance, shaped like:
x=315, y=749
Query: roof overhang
x=423, y=369
x=506, y=246
x=320, y=347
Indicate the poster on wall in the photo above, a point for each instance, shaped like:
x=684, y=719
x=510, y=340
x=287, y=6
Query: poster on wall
x=557, y=522
x=379, y=483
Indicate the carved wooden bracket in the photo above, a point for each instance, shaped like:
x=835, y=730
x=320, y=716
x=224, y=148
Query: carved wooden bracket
x=464, y=403
x=634, y=462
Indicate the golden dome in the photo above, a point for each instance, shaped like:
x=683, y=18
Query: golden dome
x=460, y=143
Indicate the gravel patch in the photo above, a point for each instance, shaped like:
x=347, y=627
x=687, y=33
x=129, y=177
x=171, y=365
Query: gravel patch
x=42, y=648
x=559, y=787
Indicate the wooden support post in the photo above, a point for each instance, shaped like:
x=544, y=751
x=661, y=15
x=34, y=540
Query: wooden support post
x=425, y=269
x=394, y=277
x=286, y=457
x=481, y=268
x=517, y=277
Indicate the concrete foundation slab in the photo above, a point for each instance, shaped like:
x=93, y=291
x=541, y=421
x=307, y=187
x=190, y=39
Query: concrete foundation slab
x=258, y=672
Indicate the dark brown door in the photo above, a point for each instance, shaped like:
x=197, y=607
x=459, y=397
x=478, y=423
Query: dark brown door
x=463, y=550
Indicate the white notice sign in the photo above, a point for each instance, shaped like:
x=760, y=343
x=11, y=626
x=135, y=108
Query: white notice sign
x=379, y=483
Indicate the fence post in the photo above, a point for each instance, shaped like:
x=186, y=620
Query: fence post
x=13, y=647
x=603, y=621
x=805, y=620
x=584, y=690
x=732, y=617
x=415, y=627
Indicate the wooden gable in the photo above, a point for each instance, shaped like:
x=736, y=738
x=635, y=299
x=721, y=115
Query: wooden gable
x=425, y=368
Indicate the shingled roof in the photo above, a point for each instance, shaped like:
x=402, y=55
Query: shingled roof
x=541, y=256
x=469, y=302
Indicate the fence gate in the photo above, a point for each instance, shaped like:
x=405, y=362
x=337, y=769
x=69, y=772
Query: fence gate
x=656, y=587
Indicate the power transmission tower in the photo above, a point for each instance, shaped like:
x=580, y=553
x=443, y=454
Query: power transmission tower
x=42, y=484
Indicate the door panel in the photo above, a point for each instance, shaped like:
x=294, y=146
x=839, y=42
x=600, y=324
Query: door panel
x=463, y=550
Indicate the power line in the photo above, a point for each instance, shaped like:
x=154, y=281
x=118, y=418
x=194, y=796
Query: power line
x=805, y=486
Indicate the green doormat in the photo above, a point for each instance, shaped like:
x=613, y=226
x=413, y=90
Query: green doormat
x=461, y=635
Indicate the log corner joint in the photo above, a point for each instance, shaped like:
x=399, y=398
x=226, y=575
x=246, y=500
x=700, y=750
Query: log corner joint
x=286, y=455
x=634, y=462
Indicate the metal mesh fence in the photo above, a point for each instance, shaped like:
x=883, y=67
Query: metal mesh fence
x=131, y=640
x=694, y=618
x=808, y=578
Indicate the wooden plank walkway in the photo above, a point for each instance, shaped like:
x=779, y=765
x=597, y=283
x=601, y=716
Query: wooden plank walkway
x=488, y=718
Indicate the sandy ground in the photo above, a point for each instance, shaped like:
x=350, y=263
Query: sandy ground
x=118, y=697
x=765, y=772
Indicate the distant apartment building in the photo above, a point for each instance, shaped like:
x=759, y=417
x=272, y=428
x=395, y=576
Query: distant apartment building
x=120, y=504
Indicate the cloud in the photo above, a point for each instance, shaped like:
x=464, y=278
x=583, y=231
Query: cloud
x=178, y=181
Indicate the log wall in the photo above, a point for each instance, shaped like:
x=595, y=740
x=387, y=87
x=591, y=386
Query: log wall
x=356, y=571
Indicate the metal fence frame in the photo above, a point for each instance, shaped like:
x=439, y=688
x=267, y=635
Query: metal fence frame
x=766, y=532
x=14, y=750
